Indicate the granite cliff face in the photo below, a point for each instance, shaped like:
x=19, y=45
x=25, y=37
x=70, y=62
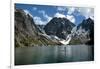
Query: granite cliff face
x=59, y=27
x=27, y=33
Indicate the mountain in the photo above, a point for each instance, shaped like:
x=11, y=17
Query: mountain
x=83, y=33
x=87, y=24
x=40, y=27
x=59, y=27
x=56, y=32
x=27, y=33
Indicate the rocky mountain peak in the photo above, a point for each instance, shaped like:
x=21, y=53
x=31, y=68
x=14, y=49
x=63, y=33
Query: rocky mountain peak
x=59, y=27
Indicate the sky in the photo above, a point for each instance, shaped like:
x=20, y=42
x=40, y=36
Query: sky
x=42, y=14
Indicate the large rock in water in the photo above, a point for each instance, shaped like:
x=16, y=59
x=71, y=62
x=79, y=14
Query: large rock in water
x=83, y=33
x=27, y=33
x=59, y=27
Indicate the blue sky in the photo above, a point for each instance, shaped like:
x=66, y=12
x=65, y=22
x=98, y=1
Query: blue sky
x=42, y=14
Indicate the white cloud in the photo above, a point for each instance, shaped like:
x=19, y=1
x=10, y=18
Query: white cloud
x=59, y=15
x=87, y=12
x=71, y=18
x=48, y=18
x=34, y=8
x=41, y=11
x=71, y=10
x=39, y=21
x=69, y=15
x=61, y=8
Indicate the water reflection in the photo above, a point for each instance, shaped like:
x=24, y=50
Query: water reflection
x=53, y=54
